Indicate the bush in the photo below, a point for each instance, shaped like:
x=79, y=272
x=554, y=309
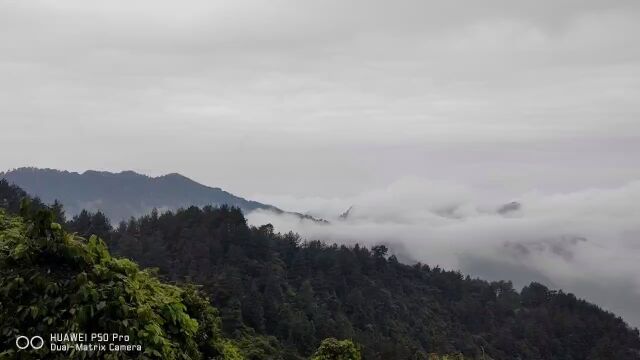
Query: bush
x=333, y=349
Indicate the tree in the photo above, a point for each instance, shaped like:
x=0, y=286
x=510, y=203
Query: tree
x=333, y=349
x=86, y=224
x=535, y=294
x=379, y=251
x=58, y=212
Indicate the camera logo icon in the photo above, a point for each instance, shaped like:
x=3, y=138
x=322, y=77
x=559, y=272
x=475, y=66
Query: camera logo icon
x=35, y=343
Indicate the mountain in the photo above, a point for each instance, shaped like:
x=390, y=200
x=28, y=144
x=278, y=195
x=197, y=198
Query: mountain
x=125, y=194
x=509, y=208
x=279, y=296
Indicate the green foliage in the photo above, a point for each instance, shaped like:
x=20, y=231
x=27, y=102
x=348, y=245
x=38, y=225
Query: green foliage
x=54, y=282
x=333, y=349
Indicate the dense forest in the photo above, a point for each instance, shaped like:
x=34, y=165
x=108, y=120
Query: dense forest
x=279, y=296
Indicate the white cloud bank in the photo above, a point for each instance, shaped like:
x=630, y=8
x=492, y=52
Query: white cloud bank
x=586, y=242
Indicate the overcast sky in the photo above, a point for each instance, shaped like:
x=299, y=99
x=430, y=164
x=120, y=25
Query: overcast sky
x=325, y=97
x=314, y=105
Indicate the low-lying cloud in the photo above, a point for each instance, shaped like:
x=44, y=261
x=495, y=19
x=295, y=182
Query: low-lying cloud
x=585, y=242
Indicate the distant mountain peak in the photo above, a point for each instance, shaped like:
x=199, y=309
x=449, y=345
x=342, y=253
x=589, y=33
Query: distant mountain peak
x=127, y=173
x=509, y=208
x=345, y=215
x=123, y=194
x=176, y=177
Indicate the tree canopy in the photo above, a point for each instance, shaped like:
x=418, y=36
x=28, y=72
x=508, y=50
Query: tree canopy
x=333, y=349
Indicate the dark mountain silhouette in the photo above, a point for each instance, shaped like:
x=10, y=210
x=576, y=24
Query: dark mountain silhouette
x=125, y=194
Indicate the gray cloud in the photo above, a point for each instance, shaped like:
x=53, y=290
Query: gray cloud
x=585, y=242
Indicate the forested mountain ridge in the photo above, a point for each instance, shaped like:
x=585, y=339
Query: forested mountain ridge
x=290, y=294
x=301, y=292
x=125, y=194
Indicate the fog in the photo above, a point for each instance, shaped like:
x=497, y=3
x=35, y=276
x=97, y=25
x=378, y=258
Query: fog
x=586, y=242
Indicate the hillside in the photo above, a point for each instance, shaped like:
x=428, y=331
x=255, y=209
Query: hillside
x=58, y=286
x=122, y=195
x=286, y=295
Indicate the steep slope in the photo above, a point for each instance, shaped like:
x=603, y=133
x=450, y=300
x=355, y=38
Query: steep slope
x=122, y=195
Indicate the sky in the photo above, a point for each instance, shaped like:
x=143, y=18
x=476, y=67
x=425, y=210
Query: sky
x=389, y=106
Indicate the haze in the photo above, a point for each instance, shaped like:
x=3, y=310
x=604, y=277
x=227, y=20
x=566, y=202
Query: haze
x=316, y=105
